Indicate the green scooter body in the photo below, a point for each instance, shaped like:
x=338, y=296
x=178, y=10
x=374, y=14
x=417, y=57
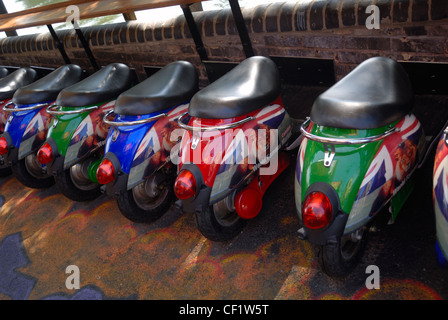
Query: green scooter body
x=365, y=177
x=78, y=135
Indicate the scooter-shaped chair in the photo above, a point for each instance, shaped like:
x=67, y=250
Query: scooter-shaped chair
x=75, y=140
x=28, y=124
x=361, y=146
x=137, y=168
x=233, y=148
x=8, y=86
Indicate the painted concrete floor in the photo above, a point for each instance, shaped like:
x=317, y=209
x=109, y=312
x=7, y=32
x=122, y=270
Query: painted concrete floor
x=42, y=233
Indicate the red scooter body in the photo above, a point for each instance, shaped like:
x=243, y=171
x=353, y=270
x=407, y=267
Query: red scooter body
x=227, y=162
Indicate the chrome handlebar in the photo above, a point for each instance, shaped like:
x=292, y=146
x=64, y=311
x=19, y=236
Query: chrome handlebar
x=222, y=127
x=50, y=110
x=350, y=141
x=130, y=123
x=37, y=106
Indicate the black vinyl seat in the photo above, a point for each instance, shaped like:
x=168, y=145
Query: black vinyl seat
x=16, y=80
x=104, y=85
x=174, y=84
x=251, y=85
x=3, y=72
x=376, y=93
x=47, y=88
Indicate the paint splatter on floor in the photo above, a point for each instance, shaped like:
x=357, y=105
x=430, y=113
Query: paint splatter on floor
x=42, y=232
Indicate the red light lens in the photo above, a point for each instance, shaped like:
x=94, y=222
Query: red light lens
x=105, y=172
x=316, y=210
x=45, y=154
x=185, y=185
x=3, y=146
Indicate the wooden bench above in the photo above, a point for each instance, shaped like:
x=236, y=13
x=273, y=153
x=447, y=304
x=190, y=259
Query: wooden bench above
x=56, y=13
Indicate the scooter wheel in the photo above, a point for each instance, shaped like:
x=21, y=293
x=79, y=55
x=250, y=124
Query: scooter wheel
x=29, y=172
x=148, y=201
x=219, y=222
x=75, y=186
x=338, y=258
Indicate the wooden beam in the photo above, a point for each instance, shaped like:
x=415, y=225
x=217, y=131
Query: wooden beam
x=3, y=10
x=56, y=13
x=129, y=16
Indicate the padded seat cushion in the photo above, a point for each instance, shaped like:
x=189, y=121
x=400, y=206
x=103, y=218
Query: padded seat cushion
x=172, y=85
x=251, y=85
x=376, y=93
x=16, y=80
x=47, y=88
x=104, y=85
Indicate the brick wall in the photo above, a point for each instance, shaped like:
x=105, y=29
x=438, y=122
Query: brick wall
x=410, y=30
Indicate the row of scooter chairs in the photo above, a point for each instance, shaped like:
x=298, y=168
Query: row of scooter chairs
x=217, y=150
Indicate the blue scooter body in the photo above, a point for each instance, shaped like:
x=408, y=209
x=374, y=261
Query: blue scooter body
x=27, y=129
x=138, y=150
x=137, y=168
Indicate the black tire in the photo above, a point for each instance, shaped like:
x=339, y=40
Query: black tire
x=67, y=187
x=337, y=259
x=221, y=228
x=29, y=179
x=153, y=209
